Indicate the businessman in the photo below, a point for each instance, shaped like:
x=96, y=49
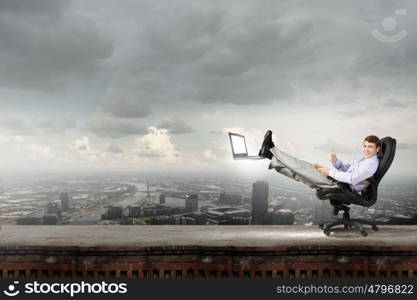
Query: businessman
x=354, y=173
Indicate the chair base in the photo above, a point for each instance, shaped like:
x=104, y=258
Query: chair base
x=347, y=222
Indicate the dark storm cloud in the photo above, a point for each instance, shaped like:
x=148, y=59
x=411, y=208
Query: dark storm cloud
x=398, y=64
x=106, y=125
x=45, y=47
x=30, y=7
x=246, y=53
x=55, y=124
x=388, y=66
x=176, y=126
x=211, y=56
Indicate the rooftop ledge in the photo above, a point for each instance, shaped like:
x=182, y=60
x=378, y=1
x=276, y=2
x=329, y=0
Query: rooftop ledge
x=167, y=239
x=165, y=251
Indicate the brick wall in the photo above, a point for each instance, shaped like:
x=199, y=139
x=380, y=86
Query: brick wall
x=206, y=262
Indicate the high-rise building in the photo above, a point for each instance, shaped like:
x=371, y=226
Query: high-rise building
x=113, y=212
x=148, y=192
x=50, y=219
x=29, y=221
x=54, y=207
x=191, y=203
x=65, y=201
x=135, y=211
x=162, y=198
x=260, y=192
x=268, y=218
x=283, y=217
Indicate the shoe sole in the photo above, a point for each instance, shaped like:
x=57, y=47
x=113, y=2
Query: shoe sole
x=263, y=150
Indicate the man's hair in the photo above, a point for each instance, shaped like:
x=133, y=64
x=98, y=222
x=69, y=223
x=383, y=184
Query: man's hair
x=373, y=139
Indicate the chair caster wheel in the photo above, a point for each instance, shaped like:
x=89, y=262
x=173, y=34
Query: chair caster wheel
x=326, y=232
x=364, y=233
x=321, y=226
x=375, y=228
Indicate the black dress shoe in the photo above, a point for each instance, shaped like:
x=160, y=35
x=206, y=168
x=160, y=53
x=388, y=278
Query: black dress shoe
x=266, y=145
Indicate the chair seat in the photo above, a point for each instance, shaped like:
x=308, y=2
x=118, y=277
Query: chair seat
x=343, y=194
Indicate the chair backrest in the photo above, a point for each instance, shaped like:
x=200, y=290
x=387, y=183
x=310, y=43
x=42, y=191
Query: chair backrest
x=385, y=158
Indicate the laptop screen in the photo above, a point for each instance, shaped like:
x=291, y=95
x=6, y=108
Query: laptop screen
x=238, y=144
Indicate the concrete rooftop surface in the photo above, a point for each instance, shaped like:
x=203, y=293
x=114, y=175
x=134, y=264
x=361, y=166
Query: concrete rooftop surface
x=183, y=237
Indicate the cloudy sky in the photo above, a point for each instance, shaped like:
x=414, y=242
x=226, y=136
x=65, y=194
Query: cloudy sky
x=156, y=85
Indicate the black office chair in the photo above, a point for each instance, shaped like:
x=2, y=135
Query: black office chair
x=343, y=195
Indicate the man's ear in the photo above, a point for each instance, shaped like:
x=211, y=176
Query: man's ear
x=377, y=149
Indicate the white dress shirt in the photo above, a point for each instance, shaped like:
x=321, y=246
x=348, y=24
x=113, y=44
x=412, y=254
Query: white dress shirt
x=356, y=172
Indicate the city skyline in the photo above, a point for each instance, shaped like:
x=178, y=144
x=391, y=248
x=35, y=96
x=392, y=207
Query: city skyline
x=127, y=200
x=98, y=86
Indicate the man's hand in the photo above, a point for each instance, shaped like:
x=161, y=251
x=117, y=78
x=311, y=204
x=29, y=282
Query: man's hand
x=332, y=157
x=324, y=171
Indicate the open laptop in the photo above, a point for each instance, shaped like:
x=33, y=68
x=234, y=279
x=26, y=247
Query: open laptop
x=239, y=149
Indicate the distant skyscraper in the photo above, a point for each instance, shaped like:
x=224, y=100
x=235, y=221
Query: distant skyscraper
x=191, y=203
x=260, y=191
x=148, y=192
x=268, y=218
x=65, y=201
x=114, y=212
x=161, y=198
x=50, y=219
x=135, y=211
x=29, y=221
x=54, y=207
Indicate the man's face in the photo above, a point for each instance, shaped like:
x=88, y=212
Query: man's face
x=369, y=149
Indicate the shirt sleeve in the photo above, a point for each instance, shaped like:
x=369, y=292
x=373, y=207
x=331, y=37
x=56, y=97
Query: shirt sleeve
x=338, y=164
x=365, y=170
